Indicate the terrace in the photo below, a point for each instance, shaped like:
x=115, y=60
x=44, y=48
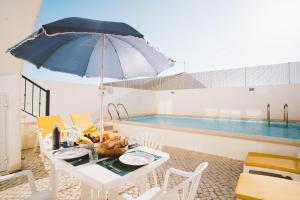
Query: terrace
x=184, y=129
x=218, y=182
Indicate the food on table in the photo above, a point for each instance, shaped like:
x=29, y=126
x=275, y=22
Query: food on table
x=93, y=138
x=83, y=140
x=113, y=144
x=107, y=135
x=116, y=141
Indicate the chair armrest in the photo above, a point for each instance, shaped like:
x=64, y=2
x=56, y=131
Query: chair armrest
x=26, y=173
x=177, y=172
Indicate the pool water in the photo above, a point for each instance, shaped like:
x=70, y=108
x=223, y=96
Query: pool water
x=248, y=127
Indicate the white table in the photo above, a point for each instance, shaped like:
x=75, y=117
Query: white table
x=97, y=181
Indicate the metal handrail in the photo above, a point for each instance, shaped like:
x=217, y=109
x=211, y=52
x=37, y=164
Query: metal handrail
x=286, y=115
x=268, y=115
x=116, y=109
x=124, y=108
x=35, y=88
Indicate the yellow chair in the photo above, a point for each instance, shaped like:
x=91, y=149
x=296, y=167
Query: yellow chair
x=85, y=123
x=277, y=164
x=45, y=126
x=47, y=123
x=258, y=187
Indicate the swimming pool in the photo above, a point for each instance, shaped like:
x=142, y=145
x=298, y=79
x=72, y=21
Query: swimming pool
x=248, y=127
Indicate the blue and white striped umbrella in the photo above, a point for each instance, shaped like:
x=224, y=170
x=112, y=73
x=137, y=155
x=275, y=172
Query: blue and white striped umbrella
x=92, y=48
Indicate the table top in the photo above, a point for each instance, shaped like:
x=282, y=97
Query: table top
x=256, y=187
x=102, y=178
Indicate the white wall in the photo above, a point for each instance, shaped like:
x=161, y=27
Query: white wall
x=66, y=98
x=17, y=19
x=231, y=102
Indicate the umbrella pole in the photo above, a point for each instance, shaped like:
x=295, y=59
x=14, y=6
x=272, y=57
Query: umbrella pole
x=102, y=87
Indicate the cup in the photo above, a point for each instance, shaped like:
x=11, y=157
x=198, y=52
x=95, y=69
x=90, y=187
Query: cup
x=69, y=138
x=93, y=155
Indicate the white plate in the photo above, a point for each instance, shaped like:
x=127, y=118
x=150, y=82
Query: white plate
x=71, y=153
x=136, y=158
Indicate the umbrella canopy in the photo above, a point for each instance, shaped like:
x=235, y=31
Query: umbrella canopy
x=73, y=45
x=92, y=48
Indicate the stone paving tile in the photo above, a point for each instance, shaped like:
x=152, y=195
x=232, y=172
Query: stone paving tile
x=217, y=183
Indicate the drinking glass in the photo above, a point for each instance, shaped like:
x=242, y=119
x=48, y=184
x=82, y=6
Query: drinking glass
x=69, y=138
x=93, y=155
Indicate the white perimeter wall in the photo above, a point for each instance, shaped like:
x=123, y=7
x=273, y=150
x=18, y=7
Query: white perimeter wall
x=67, y=98
x=231, y=102
x=17, y=19
x=237, y=102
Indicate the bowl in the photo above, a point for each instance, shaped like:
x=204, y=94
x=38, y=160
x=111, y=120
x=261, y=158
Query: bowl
x=114, y=152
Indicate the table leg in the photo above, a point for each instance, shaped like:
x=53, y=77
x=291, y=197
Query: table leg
x=114, y=194
x=53, y=182
x=85, y=193
x=142, y=181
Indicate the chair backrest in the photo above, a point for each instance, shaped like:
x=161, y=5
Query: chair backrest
x=150, y=140
x=83, y=120
x=47, y=123
x=188, y=187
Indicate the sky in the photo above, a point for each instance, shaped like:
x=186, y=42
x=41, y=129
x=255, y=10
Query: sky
x=205, y=34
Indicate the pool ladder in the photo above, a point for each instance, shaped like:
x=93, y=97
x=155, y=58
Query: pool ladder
x=124, y=108
x=285, y=115
x=116, y=108
x=268, y=115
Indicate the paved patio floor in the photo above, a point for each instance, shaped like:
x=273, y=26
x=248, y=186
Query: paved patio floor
x=218, y=181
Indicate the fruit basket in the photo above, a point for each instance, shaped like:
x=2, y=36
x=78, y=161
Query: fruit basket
x=113, y=145
x=114, y=152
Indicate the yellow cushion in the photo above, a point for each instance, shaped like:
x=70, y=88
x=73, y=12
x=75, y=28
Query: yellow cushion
x=270, y=161
x=257, y=187
x=47, y=123
x=84, y=121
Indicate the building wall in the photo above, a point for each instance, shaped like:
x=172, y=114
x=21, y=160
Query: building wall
x=17, y=20
x=231, y=102
x=69, y=98
x=66, y=98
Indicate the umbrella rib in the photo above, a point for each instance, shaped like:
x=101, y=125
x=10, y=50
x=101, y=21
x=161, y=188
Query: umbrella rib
x=113, y=46
x=137, y=51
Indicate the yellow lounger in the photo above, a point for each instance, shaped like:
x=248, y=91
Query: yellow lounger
x=283, y=165
x=45, y=126
x=47, y=123
x=258, y=187
x=84, y=121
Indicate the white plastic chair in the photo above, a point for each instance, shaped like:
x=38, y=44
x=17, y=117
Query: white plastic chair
x=41, y=195
x=152, y=141
x=188, y=187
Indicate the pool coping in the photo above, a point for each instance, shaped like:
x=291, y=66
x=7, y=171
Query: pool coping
x=214, y=117
x=259, y=138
